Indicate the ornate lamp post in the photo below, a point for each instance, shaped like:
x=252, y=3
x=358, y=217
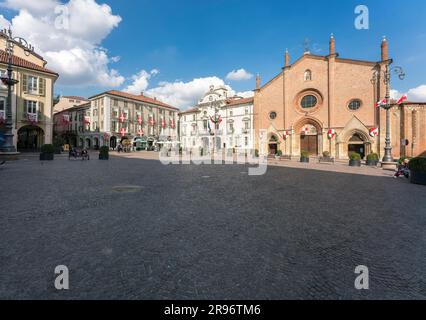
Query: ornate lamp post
x=8, y=146
x=388, y=158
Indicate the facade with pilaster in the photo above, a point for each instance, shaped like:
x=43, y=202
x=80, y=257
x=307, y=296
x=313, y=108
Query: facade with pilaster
x=327, y=103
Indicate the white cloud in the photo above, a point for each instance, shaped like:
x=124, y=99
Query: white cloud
x=4, y=23
x=417, y=94
x=187, y=94
x=74, y=51
x=140, y=81
x=238, y=75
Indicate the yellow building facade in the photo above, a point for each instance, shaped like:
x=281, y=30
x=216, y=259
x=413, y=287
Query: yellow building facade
x=32, y=97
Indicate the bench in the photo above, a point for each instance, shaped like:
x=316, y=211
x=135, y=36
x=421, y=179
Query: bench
x=325, y=160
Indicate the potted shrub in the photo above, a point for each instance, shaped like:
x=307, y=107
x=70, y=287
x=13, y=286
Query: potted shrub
x=372, y=159
x=304, y=157
x=278, y=154
x=326, y=155
x=355, y=160
x=417, y=168
x=104, y=153
x=47, y=152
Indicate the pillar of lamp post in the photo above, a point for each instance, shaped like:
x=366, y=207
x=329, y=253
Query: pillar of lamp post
x=388, y=160
x=8, y=147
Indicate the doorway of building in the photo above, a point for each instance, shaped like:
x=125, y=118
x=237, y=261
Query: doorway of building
x=30, y=139
x=273, y=145
x=356, y=144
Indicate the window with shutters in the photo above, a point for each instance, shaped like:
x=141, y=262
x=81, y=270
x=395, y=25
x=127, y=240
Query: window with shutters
x=2, y=108
x=3, y=74
x=30, y=107
x=32, y=85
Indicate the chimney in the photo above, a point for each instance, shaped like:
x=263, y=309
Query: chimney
x=332, y=45
x=141, y=93
x=257, y=81
x=287, y=59
x=385, y=49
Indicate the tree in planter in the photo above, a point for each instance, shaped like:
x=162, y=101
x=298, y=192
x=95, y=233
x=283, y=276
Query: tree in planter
x=279, y=153
x=47, y=152
x=417, y=167
x=372, y=159
x=104, y=153
x=355, y=160
x=304, y=156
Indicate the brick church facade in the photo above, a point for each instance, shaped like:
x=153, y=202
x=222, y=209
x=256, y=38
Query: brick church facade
x=326, y=103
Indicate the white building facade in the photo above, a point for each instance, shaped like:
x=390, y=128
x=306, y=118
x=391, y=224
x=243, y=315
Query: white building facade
x=218, y=122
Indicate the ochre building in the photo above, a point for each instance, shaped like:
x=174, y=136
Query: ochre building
x=327, y=103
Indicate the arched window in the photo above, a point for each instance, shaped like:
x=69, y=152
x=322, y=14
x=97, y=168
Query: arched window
x=308, y=75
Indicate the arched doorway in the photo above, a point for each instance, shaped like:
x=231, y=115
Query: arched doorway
x=357, y=144
x=96, y=143
x=30, y=139
x=273, y=145
x=113, y=142
x=309, y=139
x=88, y=143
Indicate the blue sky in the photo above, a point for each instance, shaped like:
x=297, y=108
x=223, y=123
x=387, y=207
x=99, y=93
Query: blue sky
x=190, y=39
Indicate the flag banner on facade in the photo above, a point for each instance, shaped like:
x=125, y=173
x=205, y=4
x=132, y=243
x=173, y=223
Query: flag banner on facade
x=163, y=123
x=122, y=132
x=331, y=133
x=374, y=132
x=32, y=118
x=402, y=99
x=381, y=103
x=286, y=134
x=151, y=120
x=172, y=123
x=217, y=120
x=140, y=119
x=122, y=118
x=66, y=118
x=87, y=120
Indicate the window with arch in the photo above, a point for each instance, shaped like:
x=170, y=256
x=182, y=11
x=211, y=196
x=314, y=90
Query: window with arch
x=308, y=75
x=354, y=105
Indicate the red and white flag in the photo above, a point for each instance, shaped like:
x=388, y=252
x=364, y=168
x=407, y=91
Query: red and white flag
x=172, y=123
x=402, y=99
x=374, y=132
x=123, y=132
x=163, y=123
x=381, y=103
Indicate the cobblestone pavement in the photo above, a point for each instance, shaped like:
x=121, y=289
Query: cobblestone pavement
x=135, y=229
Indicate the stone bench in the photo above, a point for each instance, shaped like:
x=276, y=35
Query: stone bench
x=325, y=160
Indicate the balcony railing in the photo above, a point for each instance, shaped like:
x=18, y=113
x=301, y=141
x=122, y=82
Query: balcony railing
x=37, y=117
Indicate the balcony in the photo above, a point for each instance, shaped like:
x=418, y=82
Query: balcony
x=32, y=117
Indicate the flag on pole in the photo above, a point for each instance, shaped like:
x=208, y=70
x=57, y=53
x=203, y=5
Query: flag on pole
x=402, y=99
x=381, y=103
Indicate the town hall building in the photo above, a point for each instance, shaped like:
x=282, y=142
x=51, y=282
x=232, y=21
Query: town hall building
x=327, y=103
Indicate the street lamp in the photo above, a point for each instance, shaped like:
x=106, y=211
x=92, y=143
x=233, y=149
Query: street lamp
x=388, y=158
x=8, y=146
